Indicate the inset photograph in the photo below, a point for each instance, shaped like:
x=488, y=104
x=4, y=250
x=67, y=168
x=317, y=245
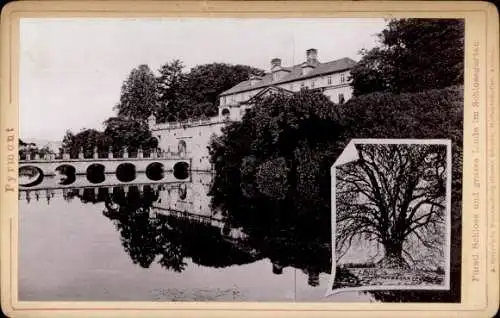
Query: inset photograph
x=391, y=215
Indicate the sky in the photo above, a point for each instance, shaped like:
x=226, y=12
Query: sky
x=71, y=70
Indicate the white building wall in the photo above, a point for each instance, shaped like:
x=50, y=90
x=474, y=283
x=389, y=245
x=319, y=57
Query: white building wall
x=333, y=93
x=196, y=137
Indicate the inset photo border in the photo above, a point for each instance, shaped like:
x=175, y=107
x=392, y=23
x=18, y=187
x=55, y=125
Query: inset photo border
x=391, y=216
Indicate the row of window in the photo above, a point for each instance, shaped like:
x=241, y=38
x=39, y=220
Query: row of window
x=312, y=83
x=309, y=84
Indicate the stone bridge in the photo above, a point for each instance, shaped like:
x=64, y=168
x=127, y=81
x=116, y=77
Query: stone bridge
x=158, y=167
x=81, y=166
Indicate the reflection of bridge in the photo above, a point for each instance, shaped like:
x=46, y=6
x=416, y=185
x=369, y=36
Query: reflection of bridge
x=110, y=181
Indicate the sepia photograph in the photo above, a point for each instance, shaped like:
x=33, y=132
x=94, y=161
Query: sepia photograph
x=189, y=159
x=392, y=215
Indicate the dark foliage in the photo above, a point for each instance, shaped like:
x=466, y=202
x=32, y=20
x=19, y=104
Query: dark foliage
x=414, y=55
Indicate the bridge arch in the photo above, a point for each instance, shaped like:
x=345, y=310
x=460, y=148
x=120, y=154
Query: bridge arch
x=96, y=173
x=126, y=172
x=30, y=176
x=181, y=170
x=182, y=147
x=155, y=171
x=68, y=174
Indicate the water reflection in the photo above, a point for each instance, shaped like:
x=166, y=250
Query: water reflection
x=172, y=226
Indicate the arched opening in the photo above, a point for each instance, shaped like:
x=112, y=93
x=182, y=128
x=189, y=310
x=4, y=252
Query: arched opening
x=225, y=113
x=67, y=174
x=181, y=170
x=181, y=147
x=30, y=176
x=125, y=172
x=155, y=171
x=95, y=173
x=182, y=192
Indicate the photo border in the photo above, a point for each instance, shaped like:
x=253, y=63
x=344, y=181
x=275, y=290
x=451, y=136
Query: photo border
x=479, y=298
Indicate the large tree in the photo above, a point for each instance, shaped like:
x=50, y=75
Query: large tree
x=172, y=97
x=138, y=99
x=394, y=196
x=414, y=55
x=205, y=82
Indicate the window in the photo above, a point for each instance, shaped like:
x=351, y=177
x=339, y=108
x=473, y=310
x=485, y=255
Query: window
x=329, y=80
x=302, y=85
x=341, y=98
x=342, y=77
x=313, y=83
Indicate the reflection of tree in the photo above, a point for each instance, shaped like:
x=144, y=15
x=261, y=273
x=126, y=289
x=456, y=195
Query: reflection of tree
x=167, y=239
x=392, y=195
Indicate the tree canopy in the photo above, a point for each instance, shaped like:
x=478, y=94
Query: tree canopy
x=414, y=55
x=394, y=195
x=138, y=99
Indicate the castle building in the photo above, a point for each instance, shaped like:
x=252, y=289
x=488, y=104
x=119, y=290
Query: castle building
x=332, y=78
x=192, y=137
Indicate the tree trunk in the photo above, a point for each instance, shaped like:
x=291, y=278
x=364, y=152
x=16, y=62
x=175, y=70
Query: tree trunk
x=393, y=257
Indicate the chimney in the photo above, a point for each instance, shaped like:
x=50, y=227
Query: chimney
x=276, y=62
x=312, y=56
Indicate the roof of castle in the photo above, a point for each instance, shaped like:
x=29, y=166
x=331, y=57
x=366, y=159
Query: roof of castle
x=294, y=74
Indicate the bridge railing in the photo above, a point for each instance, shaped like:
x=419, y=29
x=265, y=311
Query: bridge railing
x=96, y=154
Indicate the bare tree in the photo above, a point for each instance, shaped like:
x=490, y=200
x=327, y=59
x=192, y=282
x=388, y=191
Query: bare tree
x=394, y=195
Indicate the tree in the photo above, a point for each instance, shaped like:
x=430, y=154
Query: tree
x=129, y=133
x=30, y=149
x=414, y=55
x=205, y=82
x=86, y=139
x=172, y=98
x=264, y=164
x=392, y=195
x=138, y=98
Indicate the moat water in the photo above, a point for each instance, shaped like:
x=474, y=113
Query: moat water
x=156, y=243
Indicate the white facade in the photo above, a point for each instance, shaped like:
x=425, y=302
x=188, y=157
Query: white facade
x=332, y=78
